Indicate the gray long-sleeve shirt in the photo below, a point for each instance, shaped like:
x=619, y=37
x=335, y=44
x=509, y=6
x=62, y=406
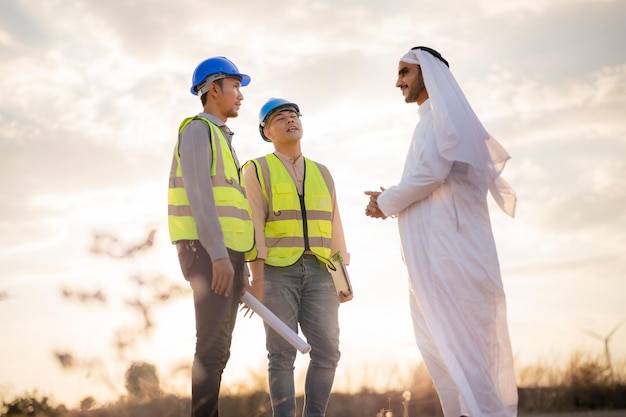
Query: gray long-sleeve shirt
x=195, y=164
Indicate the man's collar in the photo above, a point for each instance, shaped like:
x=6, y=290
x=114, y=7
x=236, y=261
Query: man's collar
x=286, y=157
x=214, y=119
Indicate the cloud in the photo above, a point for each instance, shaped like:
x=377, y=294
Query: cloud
x=19, y=29
x=108, y=89
x=539, y=6
x=569, y=142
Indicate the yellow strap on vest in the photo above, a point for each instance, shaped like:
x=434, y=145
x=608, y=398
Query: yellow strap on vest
x=232, y=207
x=285, y=228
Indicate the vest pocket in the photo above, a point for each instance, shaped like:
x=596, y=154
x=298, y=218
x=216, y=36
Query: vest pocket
x=282, y=197
x=323, y=203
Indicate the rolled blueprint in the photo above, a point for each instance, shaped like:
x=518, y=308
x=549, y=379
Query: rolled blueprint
x=275, y=323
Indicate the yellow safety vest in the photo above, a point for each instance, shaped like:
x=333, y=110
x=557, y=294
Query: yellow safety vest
x=233, y=209
x=287, y=235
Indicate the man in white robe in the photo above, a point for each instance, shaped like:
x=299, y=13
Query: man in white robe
x=456, y=294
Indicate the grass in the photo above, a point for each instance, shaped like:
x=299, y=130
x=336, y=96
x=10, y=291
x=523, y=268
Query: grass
x=583, y=383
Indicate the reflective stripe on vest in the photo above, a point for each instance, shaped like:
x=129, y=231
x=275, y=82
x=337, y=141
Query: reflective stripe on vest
x=284, y=226
x=233, y=209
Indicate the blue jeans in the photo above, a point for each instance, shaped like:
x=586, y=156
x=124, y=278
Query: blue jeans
x=302, y=293
x=215, y=321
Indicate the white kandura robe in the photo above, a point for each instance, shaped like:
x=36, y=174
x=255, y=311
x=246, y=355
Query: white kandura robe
x=456, y=294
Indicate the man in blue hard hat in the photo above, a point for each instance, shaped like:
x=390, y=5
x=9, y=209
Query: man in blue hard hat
x=298, y=229
x=210, y=223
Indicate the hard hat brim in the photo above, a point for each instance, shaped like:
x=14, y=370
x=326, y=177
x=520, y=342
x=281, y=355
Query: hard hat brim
x=244, y=78
x=265, y=138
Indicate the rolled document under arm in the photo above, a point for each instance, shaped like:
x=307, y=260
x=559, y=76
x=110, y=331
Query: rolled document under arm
x=275, y=323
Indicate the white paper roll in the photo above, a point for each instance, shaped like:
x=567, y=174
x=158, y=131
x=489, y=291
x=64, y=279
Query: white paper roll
x=275, y=323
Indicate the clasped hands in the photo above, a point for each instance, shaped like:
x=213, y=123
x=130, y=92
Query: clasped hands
x=372, y=209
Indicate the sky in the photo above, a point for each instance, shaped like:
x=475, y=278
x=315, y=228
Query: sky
x=92, y=96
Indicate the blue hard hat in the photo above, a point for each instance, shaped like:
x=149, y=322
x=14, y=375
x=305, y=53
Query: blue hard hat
x=271, y=106
x=216, y=65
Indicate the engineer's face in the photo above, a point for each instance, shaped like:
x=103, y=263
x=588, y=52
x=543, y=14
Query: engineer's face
x=229, y=97
x=411, y=83
x=284, y=126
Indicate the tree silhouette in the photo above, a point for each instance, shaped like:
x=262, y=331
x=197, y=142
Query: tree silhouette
x=142, y=381
x=86, y=403
x=111, y=245
x=150, y=293
x=29, y=405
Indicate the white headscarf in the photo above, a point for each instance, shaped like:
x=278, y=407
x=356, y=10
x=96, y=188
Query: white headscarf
x=460, y=135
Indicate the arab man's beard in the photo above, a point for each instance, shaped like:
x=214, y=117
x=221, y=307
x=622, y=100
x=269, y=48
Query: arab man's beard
x=416, y=88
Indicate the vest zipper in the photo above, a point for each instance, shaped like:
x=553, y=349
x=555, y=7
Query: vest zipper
x=305, y=226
